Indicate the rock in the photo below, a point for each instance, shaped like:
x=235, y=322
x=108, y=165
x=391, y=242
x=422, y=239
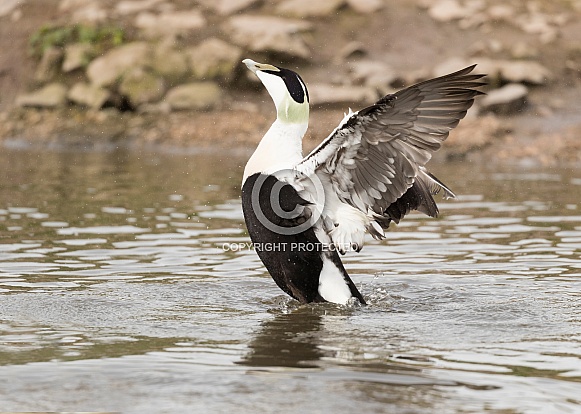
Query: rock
x=50, y=96
x=8, y=6
x=518, y=71
x=194, y=96
x=522, y=50
x=109, y=68
x=573, y=58
x=92, y=13
x=135, y=6
x=524, y=71
x=170, y=23
x=269, y=34
x=170, y=63
x=88, y=95
x=214, y=58
x=352, y=49
x=501, y=12
x=473, y=20
x=329, y=94
x=49, y=64
x=69, y=5
x=535, y=23
x=309, y=8
x=373, y=74
x=468, y=12
x=140, y=86
x=485, y=47
x=544, y=25
x=447, y=10
x=16, y=15
x=77, y=56
x=507, y=100
x=158, y=108
x=411, y=77
x=365, y=6
x=499, y=71
x=451, y=65
x=228, y=7
x=473, y=133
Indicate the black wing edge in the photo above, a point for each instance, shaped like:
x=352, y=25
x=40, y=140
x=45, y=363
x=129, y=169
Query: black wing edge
x=419, y=195
x=463, y=75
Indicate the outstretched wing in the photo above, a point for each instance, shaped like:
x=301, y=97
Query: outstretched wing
x=375, y=158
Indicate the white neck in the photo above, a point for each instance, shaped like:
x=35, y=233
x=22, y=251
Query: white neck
x=281, y=148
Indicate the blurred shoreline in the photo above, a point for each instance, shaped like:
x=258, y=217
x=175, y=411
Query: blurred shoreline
x=179, y=81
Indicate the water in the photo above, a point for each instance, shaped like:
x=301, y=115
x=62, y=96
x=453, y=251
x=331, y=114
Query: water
x=126, y=286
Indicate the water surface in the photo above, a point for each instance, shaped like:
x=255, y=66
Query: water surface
x=126, y=285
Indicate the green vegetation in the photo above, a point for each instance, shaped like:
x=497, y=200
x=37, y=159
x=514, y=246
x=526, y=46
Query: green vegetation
x=102, y=38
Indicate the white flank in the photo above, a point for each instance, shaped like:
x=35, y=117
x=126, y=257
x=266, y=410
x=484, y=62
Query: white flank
x=332, y=285
x=351, y=228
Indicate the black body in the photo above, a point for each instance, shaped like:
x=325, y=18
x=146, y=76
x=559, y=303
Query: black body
x=293, y=260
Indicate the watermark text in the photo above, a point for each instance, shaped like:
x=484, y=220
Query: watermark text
x=285, y=247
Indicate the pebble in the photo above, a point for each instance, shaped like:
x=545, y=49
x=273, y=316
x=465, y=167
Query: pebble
x=51, y=96
x=8, y=6
x=170, y=23
x=329, y=94
x=365, y=6
x=77, y=55
x=109, y=68
x=49, y=64
x=270, y=34
x=507, y=100
x=373, y=74
x=135, y=6
x=88, y=95
x=194, y=96
x=214, y=59
x=229, y=7
x=308, y=8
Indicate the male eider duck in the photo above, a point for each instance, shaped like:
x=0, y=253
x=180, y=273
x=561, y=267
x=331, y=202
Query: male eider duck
x=302, y=211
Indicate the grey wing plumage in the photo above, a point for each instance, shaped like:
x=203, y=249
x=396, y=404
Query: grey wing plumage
x=375, y=159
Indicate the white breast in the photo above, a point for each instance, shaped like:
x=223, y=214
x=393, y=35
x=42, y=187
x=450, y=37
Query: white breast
x=279, y=149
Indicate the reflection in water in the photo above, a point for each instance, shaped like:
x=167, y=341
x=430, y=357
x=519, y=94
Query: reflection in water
x=288, y=340
x=311, y=342
x=43, y=345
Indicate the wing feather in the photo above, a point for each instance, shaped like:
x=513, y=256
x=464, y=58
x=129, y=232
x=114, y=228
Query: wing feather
x=375, y=158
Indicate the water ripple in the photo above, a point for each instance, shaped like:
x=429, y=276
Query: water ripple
x=154, y=289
